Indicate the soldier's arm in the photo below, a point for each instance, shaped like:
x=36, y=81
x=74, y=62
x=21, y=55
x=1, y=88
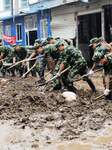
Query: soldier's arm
x=2, y=55
x=107, y=46
x=62, y=67
x=32, y=55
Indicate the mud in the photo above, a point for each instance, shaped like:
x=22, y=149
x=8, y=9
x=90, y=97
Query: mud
x=49, y=115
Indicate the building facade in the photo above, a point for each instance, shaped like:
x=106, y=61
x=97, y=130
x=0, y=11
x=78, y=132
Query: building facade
x=81, y=21
x=25, y=22
x=74, y=19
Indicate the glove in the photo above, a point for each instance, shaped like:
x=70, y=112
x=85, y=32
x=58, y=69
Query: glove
x=106, y=92
x=91, y=72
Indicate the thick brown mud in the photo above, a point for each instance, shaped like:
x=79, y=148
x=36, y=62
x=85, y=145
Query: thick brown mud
x=51, y=118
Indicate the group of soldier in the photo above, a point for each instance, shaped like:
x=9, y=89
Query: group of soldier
x=57, y=55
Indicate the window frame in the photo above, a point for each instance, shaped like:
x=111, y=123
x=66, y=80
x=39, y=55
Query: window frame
x=17, y=34
x=43, y=28
x=8, y=30
x=6, y=6
x=21, y=4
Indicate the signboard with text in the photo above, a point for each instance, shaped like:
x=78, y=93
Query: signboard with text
x=9, y=39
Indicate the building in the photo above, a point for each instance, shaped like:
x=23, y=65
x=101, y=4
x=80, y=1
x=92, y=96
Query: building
x=72, y=19
x=26, y=22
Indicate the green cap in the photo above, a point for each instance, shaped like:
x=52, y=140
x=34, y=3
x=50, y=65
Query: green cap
x=93, y=40
x=59, y=43
x=37, y=46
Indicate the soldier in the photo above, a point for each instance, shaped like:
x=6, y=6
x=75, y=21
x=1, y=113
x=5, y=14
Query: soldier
x=70, y=56
x=51, y=40
x=37, y=41
x=20, y=53
x=103, y=56
x=52, y=56
x=41, y=61
x=6, y=54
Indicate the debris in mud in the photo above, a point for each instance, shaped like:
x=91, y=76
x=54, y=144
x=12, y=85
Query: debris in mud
x=40, y=109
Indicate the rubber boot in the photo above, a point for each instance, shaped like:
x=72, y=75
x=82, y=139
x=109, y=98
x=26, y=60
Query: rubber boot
x=109, y=97
x=90, y=83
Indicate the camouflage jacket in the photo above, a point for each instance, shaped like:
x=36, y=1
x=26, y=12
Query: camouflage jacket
x=22, y=54
x=100, y=53
x=7, y=51
x=51, y=51
x=72, y=56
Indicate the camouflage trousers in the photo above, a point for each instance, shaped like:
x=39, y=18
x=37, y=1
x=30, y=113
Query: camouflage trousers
x=39, y=68
x=4, y=67
x=68, y=77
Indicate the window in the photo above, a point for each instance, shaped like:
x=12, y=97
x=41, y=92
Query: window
x=23, y=3
x=31, y=22
x=18, y=32
x=44, y=28
x=7, y=4
x=8, y=30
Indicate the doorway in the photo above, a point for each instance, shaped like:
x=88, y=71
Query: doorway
x=108, y=22
x=31, y=36
x=89, y=26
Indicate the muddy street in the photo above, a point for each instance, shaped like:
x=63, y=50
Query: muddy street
x=34, y=118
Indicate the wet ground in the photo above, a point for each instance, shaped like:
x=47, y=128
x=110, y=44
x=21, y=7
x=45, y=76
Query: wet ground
x=34, y=118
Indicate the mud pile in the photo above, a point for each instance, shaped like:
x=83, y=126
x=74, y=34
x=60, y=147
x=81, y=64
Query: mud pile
x=37, y=108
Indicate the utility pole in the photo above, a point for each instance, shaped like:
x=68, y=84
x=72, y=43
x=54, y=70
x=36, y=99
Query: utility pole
x=12, y=10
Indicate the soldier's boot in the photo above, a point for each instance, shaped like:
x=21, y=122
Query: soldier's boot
x=33, y=73
x=57, y=87
x=70, y=87
x=3, y=71
x=109, y=97
x=90, y=83
x=41, y=80
x=13, y=72
x=21, y=71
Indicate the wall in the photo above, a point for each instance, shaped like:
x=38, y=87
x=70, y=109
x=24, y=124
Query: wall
x=13, y=28
x=45, y=15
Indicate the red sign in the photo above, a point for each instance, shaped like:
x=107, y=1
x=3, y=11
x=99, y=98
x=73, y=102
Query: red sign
x=9, y=39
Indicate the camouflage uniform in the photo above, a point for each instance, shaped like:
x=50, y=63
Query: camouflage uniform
x=8, y=55
x=20, y=55
x=72, y=57
x=40, y=64
x=100, y=53
x=52, y=56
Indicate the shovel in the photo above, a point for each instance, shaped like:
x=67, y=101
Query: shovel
x=86, y=75
x=55, y=77
x=101, y=95
x=25, y=60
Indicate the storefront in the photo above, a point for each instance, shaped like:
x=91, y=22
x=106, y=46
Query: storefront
x=27, y=28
